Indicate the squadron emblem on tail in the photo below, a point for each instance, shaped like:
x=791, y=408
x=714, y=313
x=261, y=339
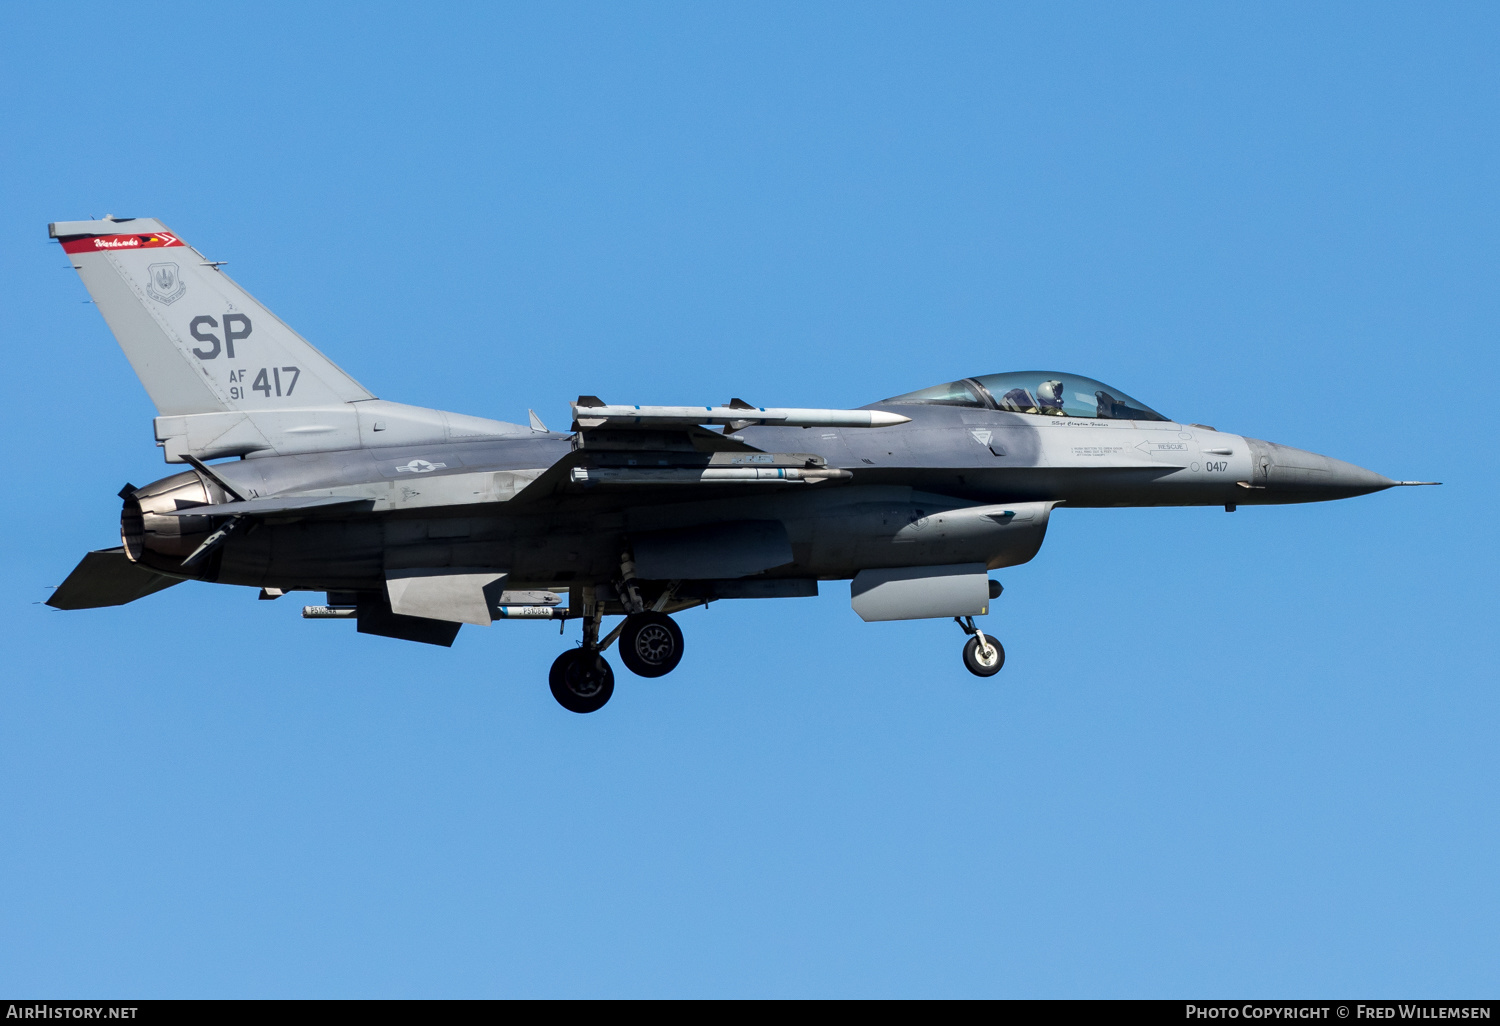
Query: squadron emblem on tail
x=164, y=283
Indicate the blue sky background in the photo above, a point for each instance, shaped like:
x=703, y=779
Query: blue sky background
x=1247, y=755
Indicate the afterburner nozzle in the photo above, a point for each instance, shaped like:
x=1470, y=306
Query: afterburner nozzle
x=154, y=539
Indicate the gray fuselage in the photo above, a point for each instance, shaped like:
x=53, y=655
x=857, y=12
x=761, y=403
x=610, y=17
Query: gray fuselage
x=955, y=485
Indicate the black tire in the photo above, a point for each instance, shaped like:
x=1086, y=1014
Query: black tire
x=977, y=665
x=581, y=681
x=650, y=644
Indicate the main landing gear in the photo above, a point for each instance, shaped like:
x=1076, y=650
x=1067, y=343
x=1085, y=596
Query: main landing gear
x=982, y=655
x=650, y=646
x=581, y=680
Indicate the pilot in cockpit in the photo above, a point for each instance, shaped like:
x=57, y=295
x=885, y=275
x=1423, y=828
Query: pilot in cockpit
x=1048, y=400
x=1049, y=395
x=1036, y=392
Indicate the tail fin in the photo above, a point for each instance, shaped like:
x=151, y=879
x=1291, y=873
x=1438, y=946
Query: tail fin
x=228, y=378
x=198, y=342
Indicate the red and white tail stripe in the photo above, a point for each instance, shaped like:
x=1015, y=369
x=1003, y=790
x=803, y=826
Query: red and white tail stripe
x=96, y=243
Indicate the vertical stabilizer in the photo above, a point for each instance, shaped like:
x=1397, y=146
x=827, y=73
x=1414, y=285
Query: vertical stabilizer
x=198, y=342
x=227, y=376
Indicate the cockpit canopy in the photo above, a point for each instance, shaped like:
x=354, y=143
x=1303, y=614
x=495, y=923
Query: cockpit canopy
x=1046, y=393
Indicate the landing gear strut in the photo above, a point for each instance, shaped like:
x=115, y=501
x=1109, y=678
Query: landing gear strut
x=581, y=679
x=982, y=655
x=650, y=644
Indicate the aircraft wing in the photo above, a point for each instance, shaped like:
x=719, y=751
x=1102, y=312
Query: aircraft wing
x=620, y=449
x=107, y=577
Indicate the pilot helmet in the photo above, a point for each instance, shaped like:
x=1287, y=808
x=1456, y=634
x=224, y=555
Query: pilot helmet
x=1049, y=393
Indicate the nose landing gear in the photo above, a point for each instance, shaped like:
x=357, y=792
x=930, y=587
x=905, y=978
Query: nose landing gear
x=983, y=656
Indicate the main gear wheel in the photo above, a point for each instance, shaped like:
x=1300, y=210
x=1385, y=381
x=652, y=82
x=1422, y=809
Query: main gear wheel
x=581, y=680
x=650, y=644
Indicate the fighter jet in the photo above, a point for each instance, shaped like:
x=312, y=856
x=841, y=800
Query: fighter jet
x=413, y=522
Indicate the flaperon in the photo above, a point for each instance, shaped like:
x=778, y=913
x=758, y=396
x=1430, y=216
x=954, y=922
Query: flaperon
x=416, y=521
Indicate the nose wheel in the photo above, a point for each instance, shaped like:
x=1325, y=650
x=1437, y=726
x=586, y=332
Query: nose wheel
x=983, y=656
x=983, y=659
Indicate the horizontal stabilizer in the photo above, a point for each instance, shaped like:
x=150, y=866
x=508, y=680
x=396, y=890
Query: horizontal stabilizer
x=107, y=577
x=268, y=507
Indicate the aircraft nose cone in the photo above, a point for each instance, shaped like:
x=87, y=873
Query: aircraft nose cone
x=1300, y=476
